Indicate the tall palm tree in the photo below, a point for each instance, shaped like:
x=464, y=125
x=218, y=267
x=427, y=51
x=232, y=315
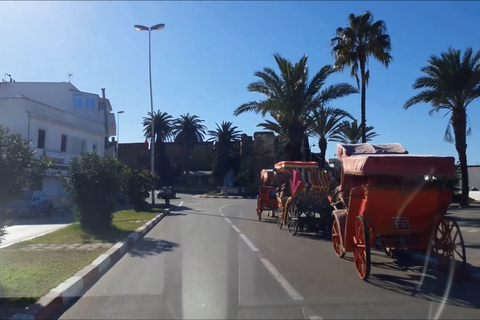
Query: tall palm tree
x=450, y=83
x=291, y=97
x=354, y=44
x=163, y=132
x=163, y=125
x=325, y=122
x=350, y=132
x=188, y=130
x=225, y=137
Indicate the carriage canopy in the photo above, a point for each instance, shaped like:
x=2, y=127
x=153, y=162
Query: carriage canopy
x=391, y=159
x=305, y=174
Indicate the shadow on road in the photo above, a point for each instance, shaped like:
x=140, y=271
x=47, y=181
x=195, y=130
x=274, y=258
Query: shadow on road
x=435, y=286
x=150, y=247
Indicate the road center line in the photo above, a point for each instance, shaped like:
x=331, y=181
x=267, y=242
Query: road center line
x=228, y=220
x=248, y=242
x=283, y=282
x=235, y=228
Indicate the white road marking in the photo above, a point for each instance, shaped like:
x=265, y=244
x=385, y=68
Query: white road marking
x=248, y=242
x=180, y=204
x=283, y=282
x=228, y=220
x=235, y=228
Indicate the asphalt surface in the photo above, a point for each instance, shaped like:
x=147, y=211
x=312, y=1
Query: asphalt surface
x=212, y=259
x=23, y=229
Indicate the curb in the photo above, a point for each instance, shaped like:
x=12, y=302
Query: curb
x=433, y=263
x=222, y=197
x=59, y=299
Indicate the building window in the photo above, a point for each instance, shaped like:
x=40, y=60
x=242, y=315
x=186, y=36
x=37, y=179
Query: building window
x=78, y=100
x=41, y=139
x=63, y=146
x=100, y=105
x=94, y=147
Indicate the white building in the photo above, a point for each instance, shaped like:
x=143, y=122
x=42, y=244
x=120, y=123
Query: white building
x=59, y=120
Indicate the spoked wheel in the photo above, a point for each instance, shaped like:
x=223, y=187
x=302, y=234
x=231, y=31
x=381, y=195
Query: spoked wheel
x=448, y=246
x=361, y=249
x=292, y=223
x=259, y=208
x=337, y=240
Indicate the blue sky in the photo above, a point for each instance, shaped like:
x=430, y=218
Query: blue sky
x=206, y=55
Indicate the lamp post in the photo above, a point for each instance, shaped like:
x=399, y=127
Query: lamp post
x=118, y=130
x=138, y=27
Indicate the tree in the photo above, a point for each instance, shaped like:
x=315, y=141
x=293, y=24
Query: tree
x=188, y=130
x=138, y=186
x=163, y=132
x=94, y=183
x=350, y=132
x=354, y=44
x=225, y=137
x=18, y=169
x=325, y=123
x=450, y=83
x=291, y=97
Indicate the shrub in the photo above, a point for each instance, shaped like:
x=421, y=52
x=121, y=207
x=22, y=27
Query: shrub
x=138, y=186
x=93, y=183
x=18, y=170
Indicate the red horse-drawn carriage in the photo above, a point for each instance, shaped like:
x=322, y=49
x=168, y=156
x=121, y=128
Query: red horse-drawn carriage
x=267, y=192
x=390, y=200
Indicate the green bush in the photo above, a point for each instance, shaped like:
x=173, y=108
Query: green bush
x=93, y=183
x=18, y=169
x=138, y=186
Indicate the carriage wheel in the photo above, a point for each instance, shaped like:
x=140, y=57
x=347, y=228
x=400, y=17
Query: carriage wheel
x=336, y=240
x=292, y=223
x=361, y=248
x=259, y=208
x=448, y=245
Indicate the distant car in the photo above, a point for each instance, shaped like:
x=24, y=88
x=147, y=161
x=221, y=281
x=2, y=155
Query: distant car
x=30, y=204
x=160, y=193
x=122, y=199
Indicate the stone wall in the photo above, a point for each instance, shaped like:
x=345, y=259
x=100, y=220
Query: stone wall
x=259, y=152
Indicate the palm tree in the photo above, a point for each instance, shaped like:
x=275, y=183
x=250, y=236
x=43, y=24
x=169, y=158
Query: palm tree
x=163, y=132
x=188, y=130
x=352, y=46
x=163, y=125
x=325, y=122
x=349, y=132
x=225, y=136
x=291, y=97
x=450, y=83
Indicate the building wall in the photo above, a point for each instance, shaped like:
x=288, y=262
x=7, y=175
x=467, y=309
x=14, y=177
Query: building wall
x=27, y=107
x=474, y=176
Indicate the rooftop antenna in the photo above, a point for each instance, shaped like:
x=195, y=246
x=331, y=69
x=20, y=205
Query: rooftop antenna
x=69, y=75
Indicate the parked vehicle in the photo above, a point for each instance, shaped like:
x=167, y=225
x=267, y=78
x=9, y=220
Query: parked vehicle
x=122, y=199
x=161, y=193
x=30, y=204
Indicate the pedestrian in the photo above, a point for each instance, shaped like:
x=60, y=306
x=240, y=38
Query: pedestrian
x=167, y=193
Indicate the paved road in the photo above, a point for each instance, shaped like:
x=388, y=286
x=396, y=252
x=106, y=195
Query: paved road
x=22, y=229
x=211, y=259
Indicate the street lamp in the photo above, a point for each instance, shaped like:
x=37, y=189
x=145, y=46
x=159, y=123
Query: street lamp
x=118, y=130
x=138, y=27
